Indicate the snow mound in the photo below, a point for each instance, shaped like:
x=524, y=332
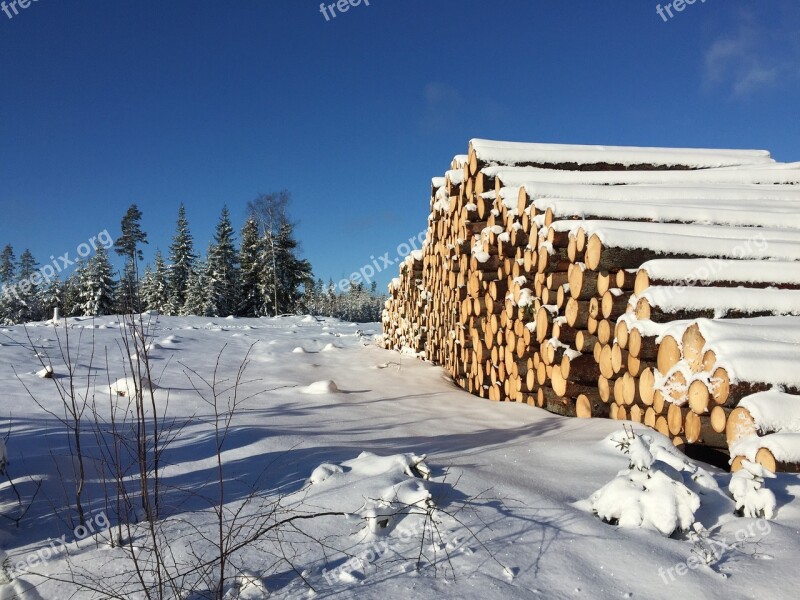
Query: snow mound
x=407, y=497
x=650, y=493
x=45, y=373
x=370, y=465
x=327, y=386
x=126, y=386
x=170, y=340
x=248, y=586
x=330, y=348
x=388, y=488
x=299, y=350
x=323, y=472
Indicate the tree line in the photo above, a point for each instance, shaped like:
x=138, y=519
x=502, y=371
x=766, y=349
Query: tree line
x=263, y=276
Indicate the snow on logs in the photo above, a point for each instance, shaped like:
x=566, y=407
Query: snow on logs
x=655, y=285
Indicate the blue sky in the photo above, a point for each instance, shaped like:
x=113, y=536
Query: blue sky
x=103, y=104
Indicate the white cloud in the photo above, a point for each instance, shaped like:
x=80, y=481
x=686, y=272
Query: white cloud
x=754, y=59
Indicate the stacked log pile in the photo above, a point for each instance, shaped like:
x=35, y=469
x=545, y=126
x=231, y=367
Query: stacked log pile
x=558, y=275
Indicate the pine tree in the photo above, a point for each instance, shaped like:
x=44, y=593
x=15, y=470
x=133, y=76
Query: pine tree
x=127, y=245
x=222, y=270
x=182, y=263
x=96, y=286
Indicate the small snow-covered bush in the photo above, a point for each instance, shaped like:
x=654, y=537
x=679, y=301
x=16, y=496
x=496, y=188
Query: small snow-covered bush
x=747, y=488
x=650, y=493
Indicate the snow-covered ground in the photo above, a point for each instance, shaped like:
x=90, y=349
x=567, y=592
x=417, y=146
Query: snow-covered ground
x=389, y=446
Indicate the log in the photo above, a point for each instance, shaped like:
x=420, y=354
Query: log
x=740, y=424
x=719, y=419
x=707, y=272
x=669, y=354
x=564, y=388
x=582, y=283
x=641, y=346
x=581, y=369
x=699, y=430
x=577, y=313
x=600, y=258
x=663, y=304
x=590, y=406
x=614, y=304
x=647, y=387
x=693, y=344
x=676, y=417
x=699, y=397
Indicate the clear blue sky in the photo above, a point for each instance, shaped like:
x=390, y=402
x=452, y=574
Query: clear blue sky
x=103, y=104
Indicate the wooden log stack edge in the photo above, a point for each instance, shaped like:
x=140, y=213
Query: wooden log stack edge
x=542, y=284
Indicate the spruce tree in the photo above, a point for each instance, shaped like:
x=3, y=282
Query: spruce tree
x=251, y=300
x=292, y=272
x=197, y=303
x=96, y=286
x=221, y=269
x=159, y=291
x=145, y=288
x=8, y=268
x=283, y=273
x=51, y=296
x=182, y=263
x=27, y=289
x=71, y=293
